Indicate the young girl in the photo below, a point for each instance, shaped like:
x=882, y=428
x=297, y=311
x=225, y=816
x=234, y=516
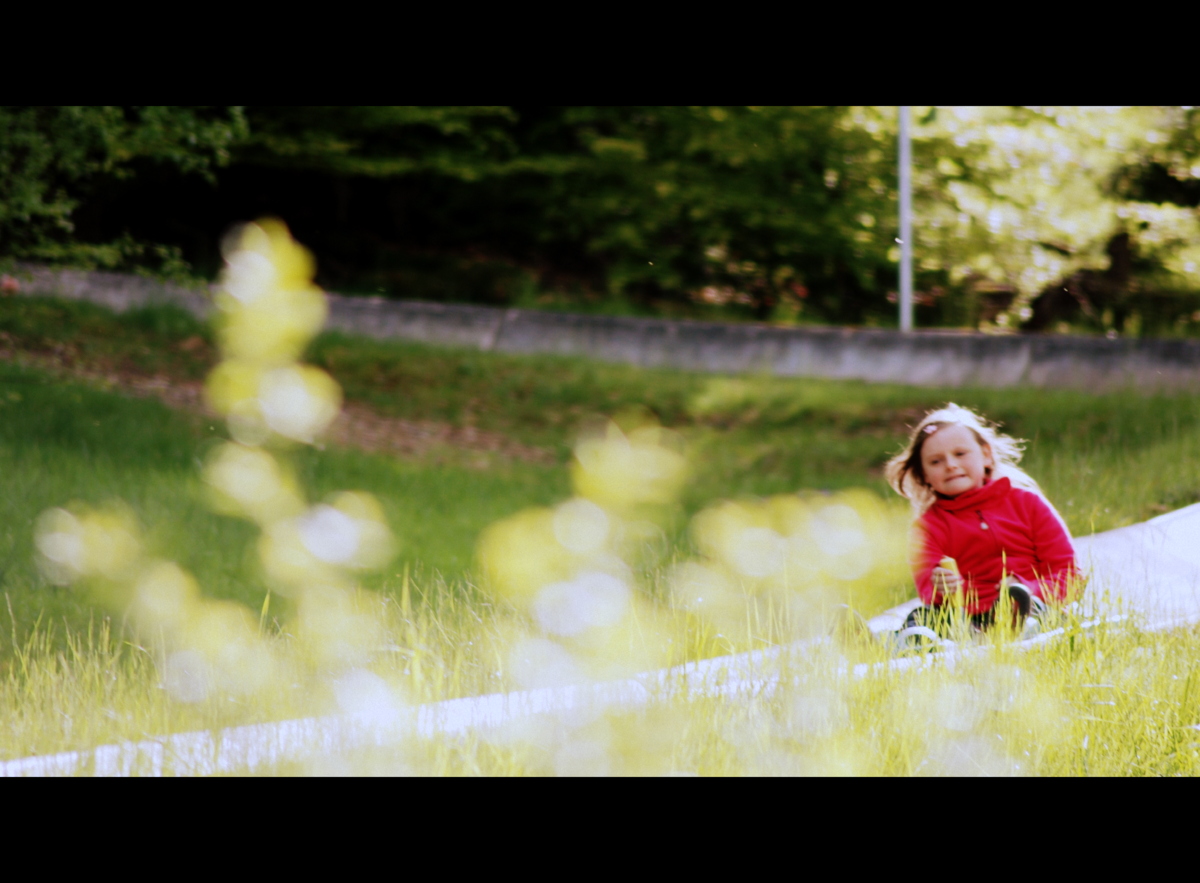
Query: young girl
x=972, y=504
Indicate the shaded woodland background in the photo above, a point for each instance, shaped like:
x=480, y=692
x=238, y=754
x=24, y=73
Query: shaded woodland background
x=1080, y=219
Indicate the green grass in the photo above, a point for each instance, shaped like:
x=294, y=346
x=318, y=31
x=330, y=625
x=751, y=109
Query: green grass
x=1105, y=460
x=64, y=442
x=70, y=677
x=153, y=340
x=1119, y=703
x=1108, y=702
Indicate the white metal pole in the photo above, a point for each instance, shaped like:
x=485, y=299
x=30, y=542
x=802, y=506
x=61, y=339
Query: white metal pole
x=906, y=270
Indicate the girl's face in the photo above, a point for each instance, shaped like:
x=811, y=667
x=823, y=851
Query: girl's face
x=954, y=461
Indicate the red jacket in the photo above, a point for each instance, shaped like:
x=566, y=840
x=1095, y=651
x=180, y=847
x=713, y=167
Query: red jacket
x=990, y=531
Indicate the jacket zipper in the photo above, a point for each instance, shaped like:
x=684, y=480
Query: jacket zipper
x=983, y=525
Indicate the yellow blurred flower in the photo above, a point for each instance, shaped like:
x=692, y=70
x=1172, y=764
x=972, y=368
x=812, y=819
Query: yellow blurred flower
x=270, y=238
x=622, y=470
x=315, y=547
x=268, y=307
x=59, y=539
x=335, y=627
x=349, y=532
x=286, y=560
x=220, y=643
x=297, y=402
x=164, y=597
x=101, y=543
x=620, y=646
x=520, y=555
x=249, y=482
x=274, y=329
x=582, y=527
x=740, y=536
x=791, y=563
x=592, y=600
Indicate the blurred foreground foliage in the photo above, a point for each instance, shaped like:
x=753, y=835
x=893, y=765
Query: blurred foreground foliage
x=1045, y=217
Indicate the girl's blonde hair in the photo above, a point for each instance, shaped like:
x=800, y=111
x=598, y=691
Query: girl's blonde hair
x=906, y=474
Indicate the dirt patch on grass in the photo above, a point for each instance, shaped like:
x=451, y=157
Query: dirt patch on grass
x=358, y=426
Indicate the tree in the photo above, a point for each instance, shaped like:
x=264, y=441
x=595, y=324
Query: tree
x=775, y=211
x=1033, y=197
x=758, y=205
x=51, y=155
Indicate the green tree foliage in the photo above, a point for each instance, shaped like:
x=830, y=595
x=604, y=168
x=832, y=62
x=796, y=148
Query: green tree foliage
x=382, y=141
x=1023, y=214
x=1028, y=197
x=758, y=205
x=51, y=155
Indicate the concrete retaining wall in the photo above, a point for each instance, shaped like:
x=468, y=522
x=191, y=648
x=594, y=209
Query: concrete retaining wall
x=923, y=358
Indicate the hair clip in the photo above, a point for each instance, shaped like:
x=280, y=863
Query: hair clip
x=930, y=429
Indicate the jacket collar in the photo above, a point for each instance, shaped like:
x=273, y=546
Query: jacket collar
x=976, y=498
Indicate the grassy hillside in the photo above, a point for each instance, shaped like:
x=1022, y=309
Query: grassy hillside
x=82, y=418
x=96, y=407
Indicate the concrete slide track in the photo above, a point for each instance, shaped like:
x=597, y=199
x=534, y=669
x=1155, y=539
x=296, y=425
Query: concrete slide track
x=1150, y=571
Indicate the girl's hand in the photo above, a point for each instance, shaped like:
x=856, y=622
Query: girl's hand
x=946, y=582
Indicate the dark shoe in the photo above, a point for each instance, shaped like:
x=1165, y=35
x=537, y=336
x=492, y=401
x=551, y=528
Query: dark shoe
x=1022, y=600
x=1042, y=618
